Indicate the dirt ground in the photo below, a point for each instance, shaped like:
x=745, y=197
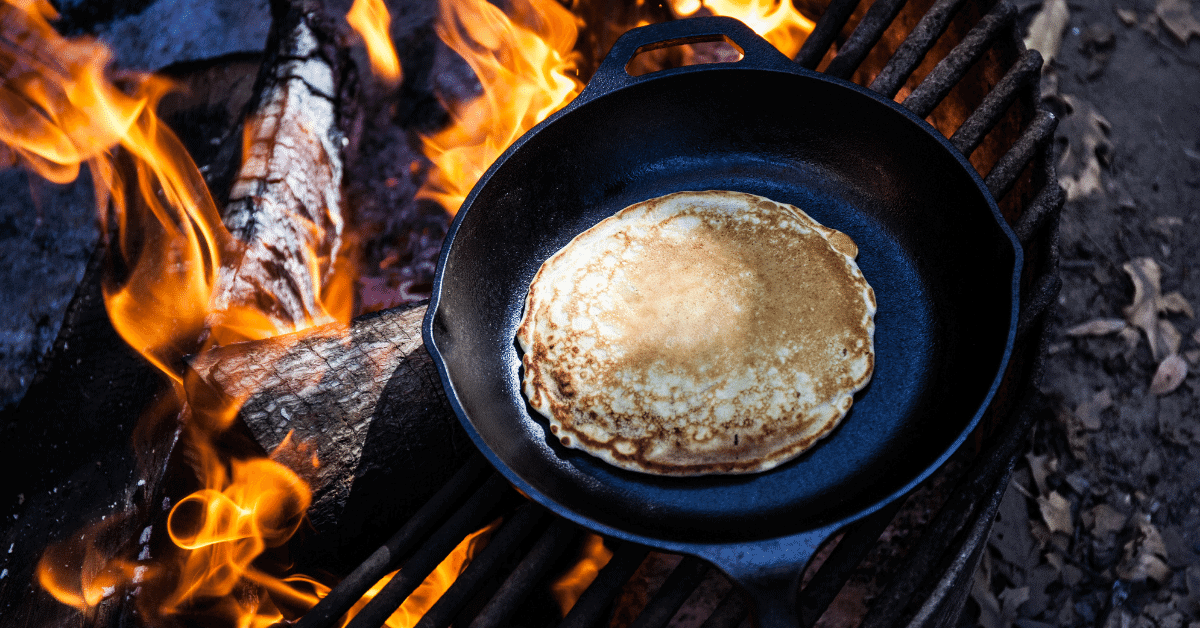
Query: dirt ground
x=1101, y=523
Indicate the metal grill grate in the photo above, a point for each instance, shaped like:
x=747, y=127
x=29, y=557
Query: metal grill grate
x=936, y=571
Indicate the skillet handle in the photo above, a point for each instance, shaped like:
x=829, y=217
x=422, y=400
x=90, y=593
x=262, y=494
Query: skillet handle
x=775, y=596
x=612, y=75
x=770, y=572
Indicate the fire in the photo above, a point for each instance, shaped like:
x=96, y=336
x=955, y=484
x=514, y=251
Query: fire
x=434, y=585
x=568, y=588
x=777, y=21
x=250, y=506
x=525, y=65
x=371, y=20
x=62, y=109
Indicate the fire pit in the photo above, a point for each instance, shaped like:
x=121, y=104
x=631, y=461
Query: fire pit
x=953, y=63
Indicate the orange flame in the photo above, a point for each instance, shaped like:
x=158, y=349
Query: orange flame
x=568, y=588
x=777, y=21
x=222, y=529
x=61, y=109
x=526, y=68
x=370, y=18
x=435, y=584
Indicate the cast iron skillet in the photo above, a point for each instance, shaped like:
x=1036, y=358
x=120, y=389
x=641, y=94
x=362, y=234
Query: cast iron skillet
x=943, y=263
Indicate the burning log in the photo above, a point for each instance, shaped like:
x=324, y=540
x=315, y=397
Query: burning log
x=285, y=205
x=363, y=407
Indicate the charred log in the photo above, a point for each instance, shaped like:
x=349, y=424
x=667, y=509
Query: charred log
x=286, y=206
x=370, y=428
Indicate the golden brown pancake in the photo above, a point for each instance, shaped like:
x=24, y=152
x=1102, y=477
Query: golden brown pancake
x=698, y=333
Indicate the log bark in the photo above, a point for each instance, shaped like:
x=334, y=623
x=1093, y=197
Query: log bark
x=285, y=207
x=364, y=398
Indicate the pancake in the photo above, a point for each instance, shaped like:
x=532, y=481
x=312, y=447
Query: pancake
x=698, y=333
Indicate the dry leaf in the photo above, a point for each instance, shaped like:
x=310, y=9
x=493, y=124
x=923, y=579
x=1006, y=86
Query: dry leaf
x=1146, y=555
x=1169, y=375
x=1169, y=337
x=1056, y=510
x=1131, y=337
x=1176, y=304
x=1055, y=560
x=1088, y=412
x=1143, y=312
x=1096, y=43
x=1107, y=520
x=1011, y=600
x=1040, y=467
x=1097, y=327
x=1077, y=434
x=1193, y=356
x=1149, y=302
x=1176, y=16
x=1166, y=225
x=989, y=606
x=1128, y=17
x=1087, y=140
x=1045, y=32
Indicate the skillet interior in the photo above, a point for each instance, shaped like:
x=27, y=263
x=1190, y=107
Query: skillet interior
x=930, y=244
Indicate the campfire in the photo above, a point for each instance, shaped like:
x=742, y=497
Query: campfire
x=283, y=418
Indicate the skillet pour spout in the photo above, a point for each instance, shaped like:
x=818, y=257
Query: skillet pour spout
x=942, y=261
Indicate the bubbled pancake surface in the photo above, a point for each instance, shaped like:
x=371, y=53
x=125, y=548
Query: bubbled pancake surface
x=698, y=333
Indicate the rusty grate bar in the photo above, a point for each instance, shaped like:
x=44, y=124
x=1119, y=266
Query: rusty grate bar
x=675, y=590
x=596, y=598
x=950, y=70
x=730, y=612
x=532, y=569
x=484, y=566
x=464, y=521
x=851, y=53
x=387, y=558
x=1045, y=290
x=938, y=592
x=972, y=131
x=1047, y=203
x=920, y=565
x=826, y=30
x=1042, y=296
x=910, y=53
x=833, y=574
x=1004, y=174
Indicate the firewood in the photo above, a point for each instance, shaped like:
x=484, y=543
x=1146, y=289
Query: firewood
x=363, y=398
x=286, y=204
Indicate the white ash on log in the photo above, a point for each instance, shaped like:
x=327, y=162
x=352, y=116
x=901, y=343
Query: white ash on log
x=286, y=204
x=364, y=398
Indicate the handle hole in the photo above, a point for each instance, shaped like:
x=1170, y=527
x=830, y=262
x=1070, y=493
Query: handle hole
x=694, y=51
